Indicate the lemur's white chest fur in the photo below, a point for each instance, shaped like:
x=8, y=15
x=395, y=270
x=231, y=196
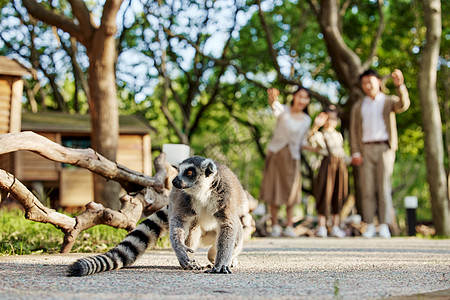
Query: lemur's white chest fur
x=203, y=205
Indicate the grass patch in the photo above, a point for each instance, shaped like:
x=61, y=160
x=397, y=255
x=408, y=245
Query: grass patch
x=19, y=236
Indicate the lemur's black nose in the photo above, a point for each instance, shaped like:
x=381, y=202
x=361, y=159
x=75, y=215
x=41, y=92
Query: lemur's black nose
x=178, y=183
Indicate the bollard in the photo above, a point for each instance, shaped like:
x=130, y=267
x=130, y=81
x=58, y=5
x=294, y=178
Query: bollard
x=176, y=153
x=410, y=203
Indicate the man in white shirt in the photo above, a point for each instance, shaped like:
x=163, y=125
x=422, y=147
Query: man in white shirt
x=373, y=142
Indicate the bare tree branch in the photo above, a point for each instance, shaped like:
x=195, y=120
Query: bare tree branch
x=273, y=53
x=95, y=213
x=377, y=37
x=216, y=89
x=35, y=210
x=150, y=194
x=49, y=17
x=84, y=158
x=315, y=7
x=83, y=15
x=108, y=20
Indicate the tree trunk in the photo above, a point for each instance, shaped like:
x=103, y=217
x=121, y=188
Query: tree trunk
x=344, y=60
x=104, y=111
x=101, y=49
x=432, y=119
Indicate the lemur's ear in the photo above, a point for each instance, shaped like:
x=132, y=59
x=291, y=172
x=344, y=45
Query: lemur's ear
x=209, y=166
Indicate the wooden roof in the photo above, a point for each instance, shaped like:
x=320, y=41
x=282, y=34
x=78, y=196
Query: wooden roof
x=13, y=68
x=68, y=123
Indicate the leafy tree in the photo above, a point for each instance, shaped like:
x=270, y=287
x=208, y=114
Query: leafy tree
x=49, y=51
x=169, y=37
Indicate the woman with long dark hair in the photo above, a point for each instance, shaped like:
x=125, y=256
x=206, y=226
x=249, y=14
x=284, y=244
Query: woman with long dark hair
x=281, y=184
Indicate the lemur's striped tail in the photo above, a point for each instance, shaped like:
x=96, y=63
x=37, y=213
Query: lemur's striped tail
x=124, y=254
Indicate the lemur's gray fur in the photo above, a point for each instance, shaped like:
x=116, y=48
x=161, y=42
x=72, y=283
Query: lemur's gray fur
x=205, y=208
x=209, y=208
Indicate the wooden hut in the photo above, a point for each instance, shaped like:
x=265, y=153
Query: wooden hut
x=11, y=90
x=71, y=186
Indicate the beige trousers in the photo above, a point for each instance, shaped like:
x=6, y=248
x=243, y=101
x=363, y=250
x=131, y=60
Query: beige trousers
x=376, y=189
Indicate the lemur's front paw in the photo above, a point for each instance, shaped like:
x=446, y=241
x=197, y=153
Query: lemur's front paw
x=185, y=261
x=223, y=269
x=188, y=263
x=191, y=265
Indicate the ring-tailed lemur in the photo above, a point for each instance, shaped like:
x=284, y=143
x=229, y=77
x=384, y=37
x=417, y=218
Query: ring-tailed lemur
x=207, y=207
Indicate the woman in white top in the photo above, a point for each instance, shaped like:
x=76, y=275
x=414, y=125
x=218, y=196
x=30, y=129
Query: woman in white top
x=281, y=184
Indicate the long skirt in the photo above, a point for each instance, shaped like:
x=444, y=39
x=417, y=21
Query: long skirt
x=281, y=183
x=331, y=186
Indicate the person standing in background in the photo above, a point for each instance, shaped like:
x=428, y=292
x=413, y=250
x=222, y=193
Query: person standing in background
x=281, y=183
x=373, y=142
x=330, y=187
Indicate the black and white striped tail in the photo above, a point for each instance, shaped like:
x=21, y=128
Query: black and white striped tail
x=124, y=254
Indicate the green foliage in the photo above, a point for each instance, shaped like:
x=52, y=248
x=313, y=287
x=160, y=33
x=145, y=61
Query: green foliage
x=48, y=51
x=296, y=38
x=19, y=236
x=409, y=176
x=233, y=144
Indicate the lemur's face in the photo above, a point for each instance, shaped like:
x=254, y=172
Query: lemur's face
x=193, y=172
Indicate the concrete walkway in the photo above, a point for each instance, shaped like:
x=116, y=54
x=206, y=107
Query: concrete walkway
x=270, y=268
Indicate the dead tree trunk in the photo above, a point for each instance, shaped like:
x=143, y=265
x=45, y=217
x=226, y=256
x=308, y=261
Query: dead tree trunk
x=145, y=194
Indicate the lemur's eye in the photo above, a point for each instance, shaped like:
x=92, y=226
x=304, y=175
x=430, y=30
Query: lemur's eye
x=189, y=173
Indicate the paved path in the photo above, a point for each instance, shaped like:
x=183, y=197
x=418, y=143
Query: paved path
x=270, y=268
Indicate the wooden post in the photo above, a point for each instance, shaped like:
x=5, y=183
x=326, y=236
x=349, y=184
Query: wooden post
x=146, y=155
x=16, y=105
